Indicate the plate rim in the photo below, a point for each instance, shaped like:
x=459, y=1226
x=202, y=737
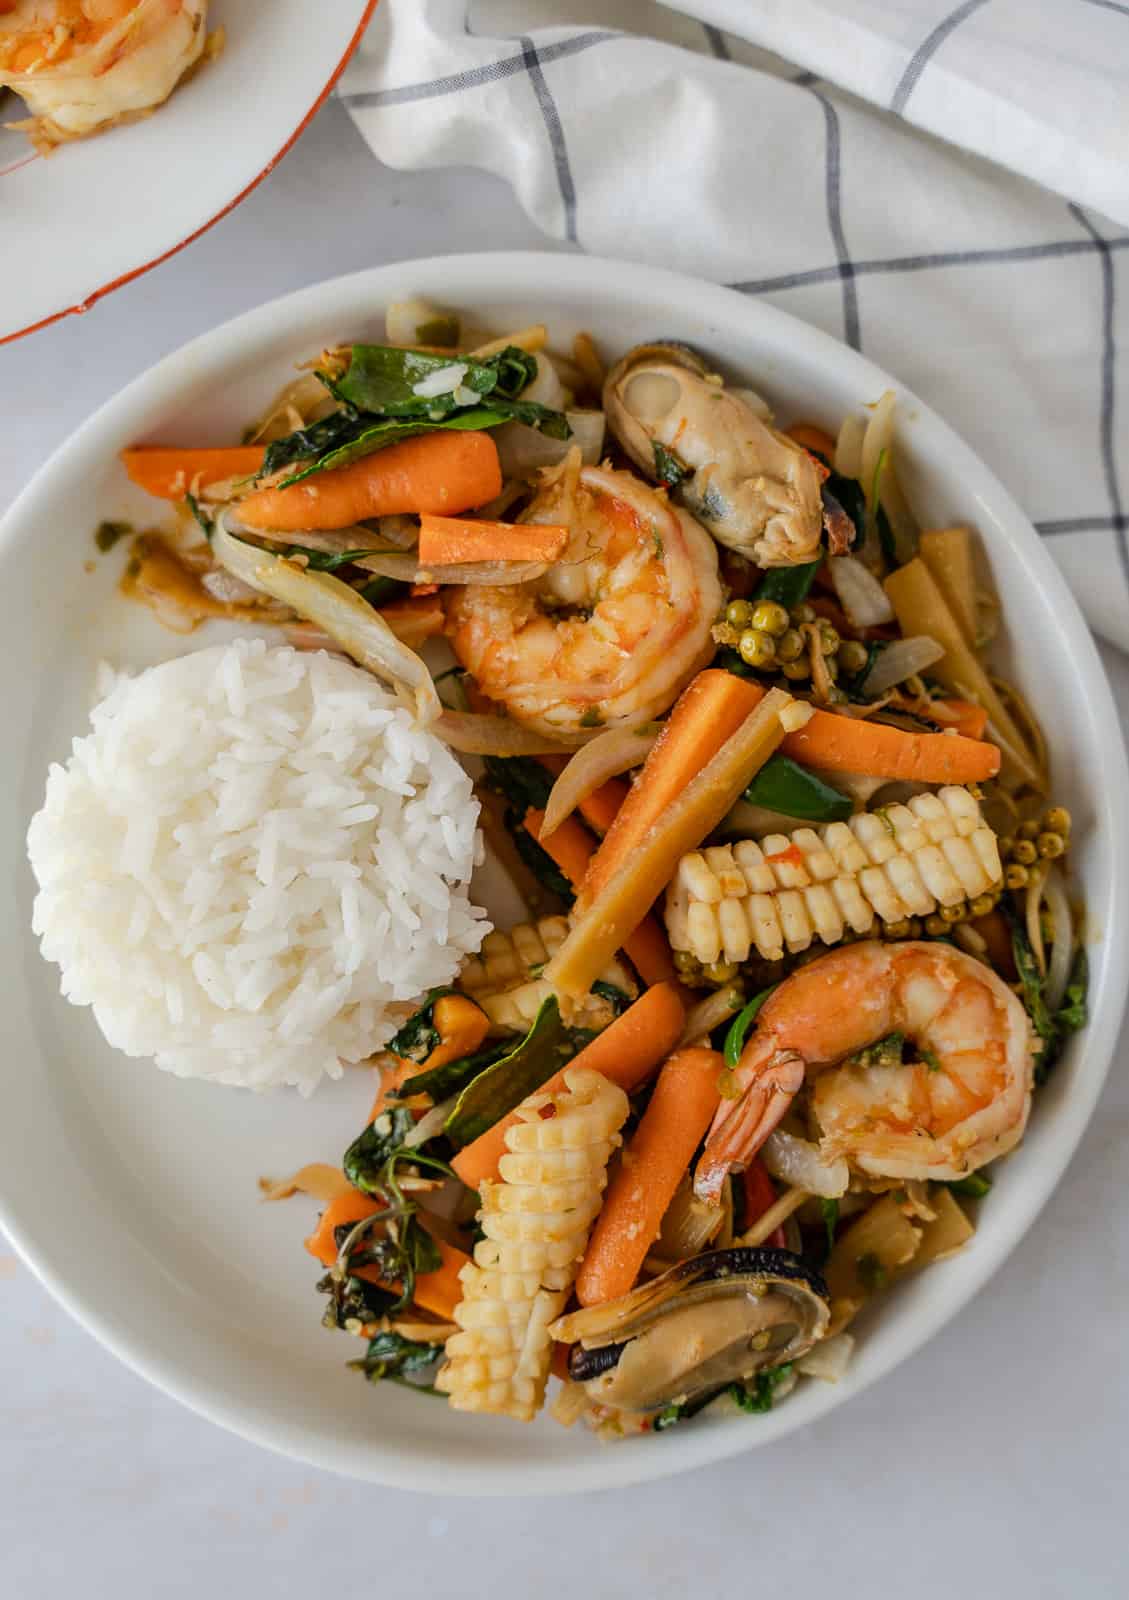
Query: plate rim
x=573, y=277
x=91, y=300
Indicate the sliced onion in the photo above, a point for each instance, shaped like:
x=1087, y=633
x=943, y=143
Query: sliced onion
x=404, y=566
x=848, y=448
x=900, y=661
x=546, y=388
x=861, y=595
x=228, y=589
x=522, y=450
x=604, y=757
x=1058, y=967
x=829, y=1359
x=330, y=604
x=476, y=735
x=322, y=1181
x=430, y=1123
x=799, y=1164
x=1032, y=906
x=709, y=1013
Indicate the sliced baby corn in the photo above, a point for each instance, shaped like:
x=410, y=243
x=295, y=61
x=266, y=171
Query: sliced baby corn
x=782, y=892
x=536, y=1222
x=504, y=978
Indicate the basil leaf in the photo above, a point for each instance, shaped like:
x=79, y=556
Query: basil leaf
x=379, y=591
x=1072, y=1014
x=739, y=1027
x=507, y=1082
x=788, y=586
x=383, y=379
x=759, y=1395
x=975, y=1186
x=369, y=437
x=829, y=1211
x=442, y=1082
x=419, y=1036
x=783, y=785
x=391, y=1355
x=369, y=1154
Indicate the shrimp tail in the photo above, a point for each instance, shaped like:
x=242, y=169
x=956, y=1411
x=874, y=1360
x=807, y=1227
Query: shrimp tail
x=741, y=1126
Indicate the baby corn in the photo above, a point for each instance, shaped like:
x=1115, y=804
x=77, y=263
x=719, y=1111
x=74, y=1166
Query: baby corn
x=504, y=979
x=787, y=889
x=536, y=1223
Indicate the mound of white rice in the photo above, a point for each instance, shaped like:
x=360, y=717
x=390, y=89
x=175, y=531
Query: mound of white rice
x=253, y=854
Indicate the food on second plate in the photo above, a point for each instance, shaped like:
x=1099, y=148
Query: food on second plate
x=81, y=66
x=798, y=946
x=253, y=858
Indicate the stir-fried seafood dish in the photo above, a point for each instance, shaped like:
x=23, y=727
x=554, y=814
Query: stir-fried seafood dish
x=83, y=65
x=799, y=945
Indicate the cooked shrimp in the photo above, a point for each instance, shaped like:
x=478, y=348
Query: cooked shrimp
x=615, y=628
x=964, y=1102
x=80, y=65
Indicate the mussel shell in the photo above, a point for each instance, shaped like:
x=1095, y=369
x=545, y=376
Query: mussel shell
x=717, y=1293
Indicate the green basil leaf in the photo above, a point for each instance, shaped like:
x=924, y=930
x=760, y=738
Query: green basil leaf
x=508, y=1081
x=739, y=1027
x=783, y=785
x=788, y=586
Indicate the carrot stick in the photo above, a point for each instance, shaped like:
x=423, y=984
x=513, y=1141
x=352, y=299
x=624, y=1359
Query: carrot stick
x=680, y=1110
x=627, y=1052
x=813, y=437
x=439, y=1291
x=571, y=847
x=444, y=540
x=965, y=718
x=711, y=709
x=441, y=472
x=850, y=744
x=170, y=473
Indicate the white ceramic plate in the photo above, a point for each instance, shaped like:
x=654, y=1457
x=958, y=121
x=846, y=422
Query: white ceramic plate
x=133, y=1195
x=100, y=211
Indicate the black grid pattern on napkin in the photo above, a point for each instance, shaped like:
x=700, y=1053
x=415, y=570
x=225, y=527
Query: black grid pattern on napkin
x=532, y=59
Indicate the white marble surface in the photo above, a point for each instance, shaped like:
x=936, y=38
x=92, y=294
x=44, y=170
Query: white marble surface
x=993, y=1462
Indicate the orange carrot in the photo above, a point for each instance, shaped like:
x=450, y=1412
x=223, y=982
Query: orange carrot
x=680, y=1110
x=170, y=474
x=444, y=540
x=571, y=847
x=627, y=1052
x=461, y=1026
x=391, y=1081
x=706, y=714
x=441, y=472
x=965, y=718
x=439, y=1291
x=813, y=437
x=851, y=744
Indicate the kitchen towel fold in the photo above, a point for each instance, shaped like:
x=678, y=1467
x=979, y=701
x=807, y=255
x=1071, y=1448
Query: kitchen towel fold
x=636, y=132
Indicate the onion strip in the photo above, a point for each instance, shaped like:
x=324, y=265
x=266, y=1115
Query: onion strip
x=899, y=661
x=475, y=735
x=606, y=756
x=1062, y=946
x=324, y=600
x=708, y=1014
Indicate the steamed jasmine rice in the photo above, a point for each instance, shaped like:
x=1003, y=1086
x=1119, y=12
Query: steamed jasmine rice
x=250, y=858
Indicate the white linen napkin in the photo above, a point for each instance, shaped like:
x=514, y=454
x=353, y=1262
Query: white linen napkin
x=638, y=133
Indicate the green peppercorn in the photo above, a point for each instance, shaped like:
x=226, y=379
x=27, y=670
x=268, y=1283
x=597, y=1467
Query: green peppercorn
x=935, y=926
x=1024, y=851
x=1007, y=845
x=738, y=613
x=981, y=906
x=853, y=655
x=829, y=640
x=797, y=671
x=915, y=927
x=803, y=613
x=720, y=971
x=897, y=930
x=769, y=617
x=1057, y=820
x=790, y=645
x=1050, y=845
x=684, y=960
x=953, y=914
x=1016, y=876
x=757, y=649
x=1027, y=830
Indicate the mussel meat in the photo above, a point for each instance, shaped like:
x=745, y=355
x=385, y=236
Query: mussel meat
x=756, y=490
x=709, y=1321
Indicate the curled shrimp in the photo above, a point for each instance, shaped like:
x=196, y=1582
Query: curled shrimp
x=964, y=1102
x=81, y=65
x=611, y=633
